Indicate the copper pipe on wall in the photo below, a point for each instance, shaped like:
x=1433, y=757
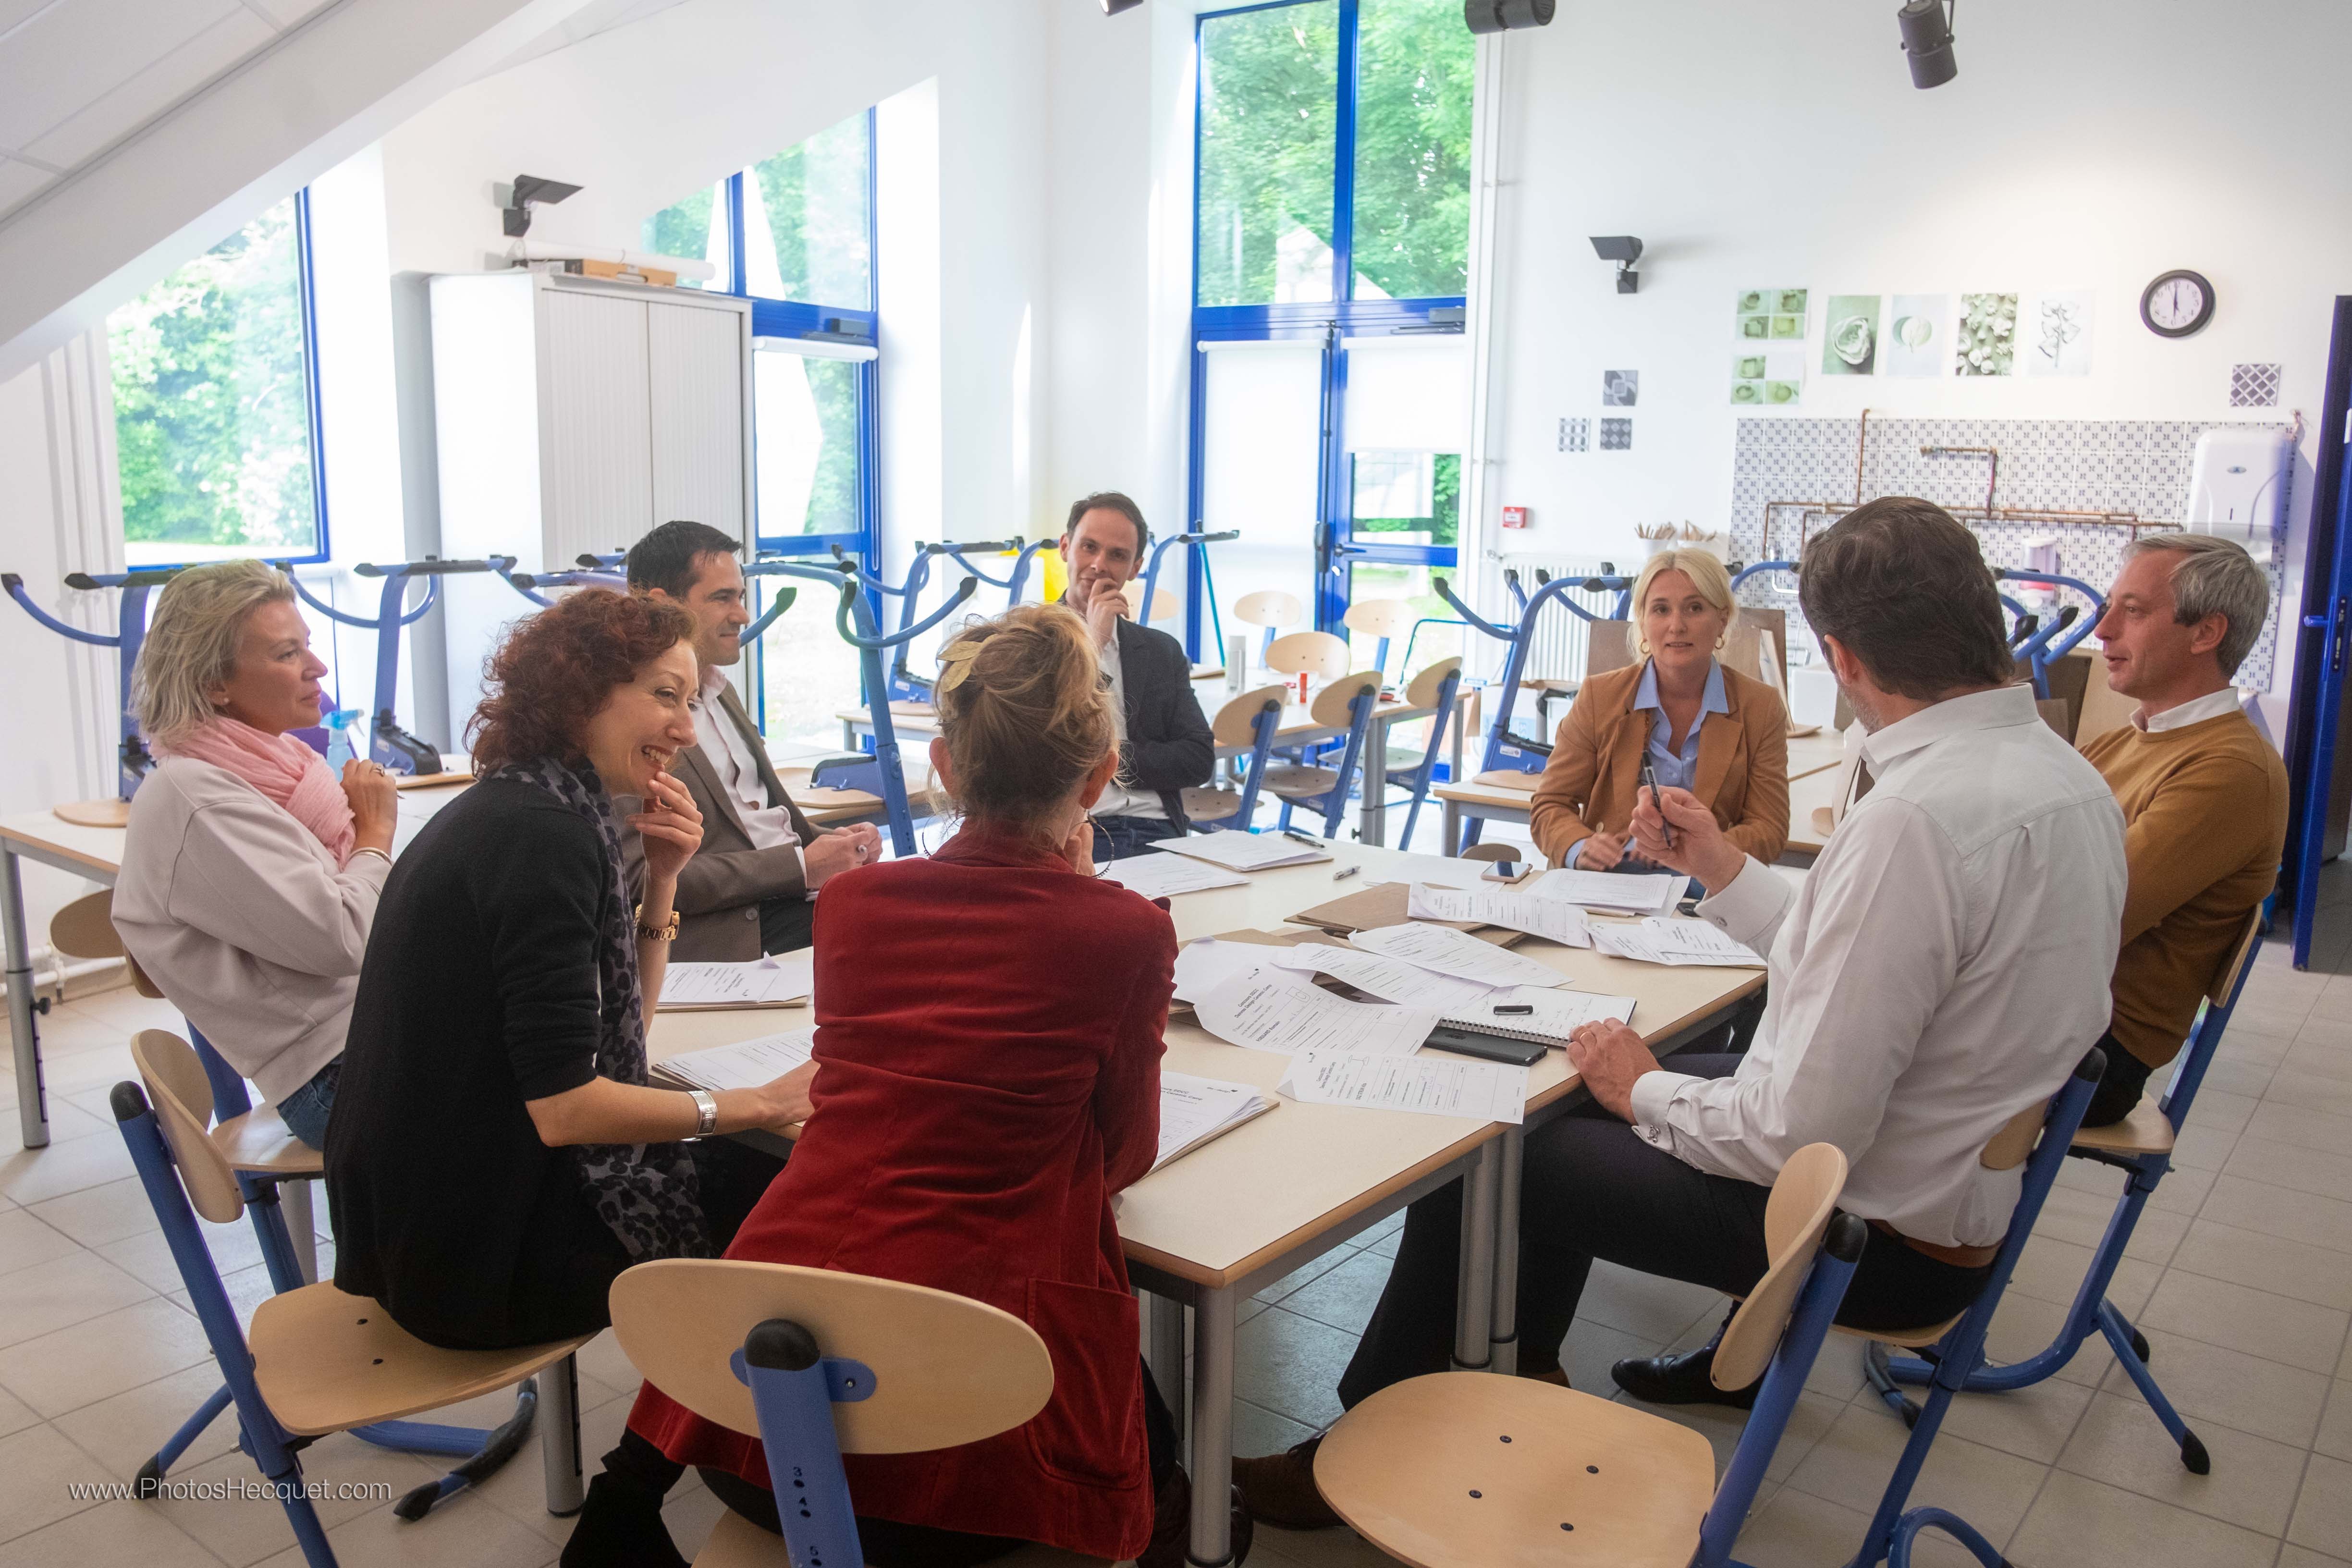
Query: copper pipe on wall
x=1860, y=450
x=1992, y=477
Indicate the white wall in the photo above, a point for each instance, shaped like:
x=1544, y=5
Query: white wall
x=2080, y=146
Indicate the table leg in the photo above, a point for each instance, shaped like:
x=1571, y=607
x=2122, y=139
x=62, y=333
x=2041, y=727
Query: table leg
x=1372, y=822
x=1164, y=1342
x=1213, y=1428
x=32, y=1097
x=1474, y=1315
x=1453, y=828
x=559, y=1437
x=1504, y=1338
x=294, y=1203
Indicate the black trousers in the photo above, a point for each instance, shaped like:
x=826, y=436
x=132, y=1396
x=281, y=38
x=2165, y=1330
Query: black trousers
x=1117, y=838
x=2120, y=1086
x=1592, y=1189
x=787, y=925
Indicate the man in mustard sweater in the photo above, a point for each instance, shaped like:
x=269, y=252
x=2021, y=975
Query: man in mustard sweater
x=2203, y=795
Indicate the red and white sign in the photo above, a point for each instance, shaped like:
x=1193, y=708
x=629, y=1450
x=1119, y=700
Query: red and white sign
x=1515, y=517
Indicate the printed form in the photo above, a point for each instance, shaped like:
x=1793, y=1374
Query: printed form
x=1276, y=1010
x=1457, y=953
x=1482, y=1091
x=1549, y=918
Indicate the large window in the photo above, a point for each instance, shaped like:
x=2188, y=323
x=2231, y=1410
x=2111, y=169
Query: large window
x=794, y=233
x=215, y=403
x=1331, y=245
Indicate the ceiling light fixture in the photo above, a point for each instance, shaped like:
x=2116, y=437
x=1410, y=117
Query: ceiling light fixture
x=1927, y=40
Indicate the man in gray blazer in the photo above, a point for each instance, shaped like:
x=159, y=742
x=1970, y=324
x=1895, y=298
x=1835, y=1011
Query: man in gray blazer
x=752, y=887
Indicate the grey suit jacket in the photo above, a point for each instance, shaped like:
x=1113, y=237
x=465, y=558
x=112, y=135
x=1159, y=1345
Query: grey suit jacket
x=723, y=885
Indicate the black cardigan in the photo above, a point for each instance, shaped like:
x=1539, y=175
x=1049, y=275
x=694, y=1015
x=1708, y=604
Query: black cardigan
x=479, y=992
x=1168, y=747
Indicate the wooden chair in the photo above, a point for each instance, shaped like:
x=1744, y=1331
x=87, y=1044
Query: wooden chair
x=1438, y=687
x=1162, y=605
x=1345, y=705
x=1386, y=619
x=1244, y=726
x=1493, y=852
x=1318, y=653
x=830, y=1363
x=317, y=1361
x=1272, y=609
x=1475, y=1470
x=2140, y=1145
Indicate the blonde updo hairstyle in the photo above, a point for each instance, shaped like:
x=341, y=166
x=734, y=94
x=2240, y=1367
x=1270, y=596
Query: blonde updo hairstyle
x=1707, y=575
x=1025, y=716
x=192, y=644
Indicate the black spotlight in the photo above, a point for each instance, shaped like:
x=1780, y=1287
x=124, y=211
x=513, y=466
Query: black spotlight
x=1113, y=7
x=530, y=190
x=1507, y=15
x=1624, y=250
x=1927, y=40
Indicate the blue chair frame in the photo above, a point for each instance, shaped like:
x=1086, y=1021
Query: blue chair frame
x=1197, y=544
x=2091, y=1312
x=1422, y=774
x=1263, y=724
x=132, y=756
x=1333, y=801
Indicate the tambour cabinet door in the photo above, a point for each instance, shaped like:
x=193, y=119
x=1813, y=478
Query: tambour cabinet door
x=696, y=357
x=597, y=477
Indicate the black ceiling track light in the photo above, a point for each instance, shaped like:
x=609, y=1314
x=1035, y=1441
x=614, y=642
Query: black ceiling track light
x=1508, y=16
x=1927, y=40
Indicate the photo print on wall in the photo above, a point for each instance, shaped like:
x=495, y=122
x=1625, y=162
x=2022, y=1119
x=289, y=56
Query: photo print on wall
x=1620, y=388
x=1770, y=315
x=2254, y=386
x=1919, y=335
x=1986, y=343
x=2056, y=326
x=1849, y=343
x=1576, y=435
x=1616, y=435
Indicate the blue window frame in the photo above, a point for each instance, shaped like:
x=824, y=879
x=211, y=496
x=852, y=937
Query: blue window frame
x=1283, y=42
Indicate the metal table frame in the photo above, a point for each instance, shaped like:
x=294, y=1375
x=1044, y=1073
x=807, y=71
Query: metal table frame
x=24, y=1038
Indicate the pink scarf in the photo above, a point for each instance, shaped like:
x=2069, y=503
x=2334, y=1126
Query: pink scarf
x=289, y=774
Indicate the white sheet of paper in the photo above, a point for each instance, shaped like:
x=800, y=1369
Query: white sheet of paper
x=1677, y=943
x=1194, y=1110
x=1202, y=966
x=1551, y=919
x=1645, y=894
x=1243, y=851
x=1439, y=870
x=1165, y=876
x=746, y=1064
x=763, y=982
x=1457, y=953
x=1279, y=1010
x=1433, y=1086
x=1390, y=979
x=1556, y=1011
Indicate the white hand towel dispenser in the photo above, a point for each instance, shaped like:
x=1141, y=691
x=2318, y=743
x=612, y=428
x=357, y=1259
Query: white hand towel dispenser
x=2237, y=487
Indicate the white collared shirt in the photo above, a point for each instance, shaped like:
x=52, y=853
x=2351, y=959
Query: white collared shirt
x=1944, y=968
x=767, y=826
x=2196, y=710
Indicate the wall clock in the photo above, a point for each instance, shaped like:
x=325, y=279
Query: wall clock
x=2176, y=304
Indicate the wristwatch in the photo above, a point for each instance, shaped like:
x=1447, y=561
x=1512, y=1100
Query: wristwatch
x=656, y=934
x=706, y=1105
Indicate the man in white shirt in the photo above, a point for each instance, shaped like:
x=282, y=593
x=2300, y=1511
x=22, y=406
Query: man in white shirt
x=1943, y=969
x=752, y=887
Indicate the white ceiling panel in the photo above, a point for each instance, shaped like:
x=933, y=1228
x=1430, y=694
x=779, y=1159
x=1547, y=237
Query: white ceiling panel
x=17, y=183
x=185, y=69
x=63, y=59
x=286, y=13
x=14, y=14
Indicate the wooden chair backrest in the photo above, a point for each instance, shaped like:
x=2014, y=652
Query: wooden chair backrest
x=948, y=1370
x=1162, y=605
x=1422, y=692
x=182, y=1100
x=1493, y=852
x=1770, y=627
x=2239, y=956
x=1610, y=646
x=1311, y=653
x=2013, y=1145
x=2055, y=714
x=1332, y=703
x=1380, y=617
x=1269, y=607
x=1795, y=1216
x=85, y=928
x=1236, y=722
x=2104, y=708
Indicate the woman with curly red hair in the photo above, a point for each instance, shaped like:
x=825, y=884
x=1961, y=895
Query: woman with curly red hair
x=496, y=1156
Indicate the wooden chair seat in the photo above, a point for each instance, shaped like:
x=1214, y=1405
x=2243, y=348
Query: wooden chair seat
x=2146, y=1131
x=1507, y=778
x=258, y=1142
x=736, y=1542
x=1909, y=1339
x=326, y=1361
x=1473, y=1469
x=1212, y=804
x=1294, y=782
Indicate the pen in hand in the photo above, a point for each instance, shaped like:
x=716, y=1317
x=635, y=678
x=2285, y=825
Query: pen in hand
x=1649, y=783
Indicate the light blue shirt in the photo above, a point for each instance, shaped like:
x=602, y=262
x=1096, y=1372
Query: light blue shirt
x=1675, y=768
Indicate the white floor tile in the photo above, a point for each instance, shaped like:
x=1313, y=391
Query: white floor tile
x=2082, y=1523
x=2253, y=1483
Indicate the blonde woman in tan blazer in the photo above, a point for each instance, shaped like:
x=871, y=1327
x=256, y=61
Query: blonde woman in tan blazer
x=1708, y=730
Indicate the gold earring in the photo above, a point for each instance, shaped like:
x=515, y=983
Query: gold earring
x=1721, y=641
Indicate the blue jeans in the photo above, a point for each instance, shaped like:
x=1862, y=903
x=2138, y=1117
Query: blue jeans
x=304, y=1112
x=1117, y=837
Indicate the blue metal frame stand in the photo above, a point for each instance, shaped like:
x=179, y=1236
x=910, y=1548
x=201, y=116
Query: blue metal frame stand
x=388, y=744
x=130, y=630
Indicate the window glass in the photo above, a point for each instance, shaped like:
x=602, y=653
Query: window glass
x=805, y=229
x=1413, y=74
x=212, y=403
x=695, y=228
x=1269, y=109
x=1407, y=498
x=805, y=413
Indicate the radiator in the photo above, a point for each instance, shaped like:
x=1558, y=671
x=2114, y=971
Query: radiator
x=1558, y=650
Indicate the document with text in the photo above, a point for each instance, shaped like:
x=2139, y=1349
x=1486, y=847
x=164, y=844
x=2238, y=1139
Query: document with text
x=1550, y=918
x=1390, y=979
x=1432, y=1086
x=1648, y=893
x=1539, y=1012
x=746, y=1064
x=1276, y=1010
x=1194, y=1110
x=1243, y=851
x=783, y=980
x=1676, y=941
x=1165, y=876
x=1457, y=953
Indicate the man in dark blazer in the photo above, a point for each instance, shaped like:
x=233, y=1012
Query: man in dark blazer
x=1164, y=743
x=752, y=887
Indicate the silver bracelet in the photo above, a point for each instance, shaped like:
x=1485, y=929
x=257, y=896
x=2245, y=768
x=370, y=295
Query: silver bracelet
x=371, y=849
x=705, y=1106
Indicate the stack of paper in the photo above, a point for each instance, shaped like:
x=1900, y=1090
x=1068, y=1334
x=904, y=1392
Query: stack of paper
x=1193, y=1111
x=1433, y=1086
x=1244, y=851
x=1273, y=1009
x=783, y=980
x=1165, y=876
x=1651, y=893
x=747, y=1064
x=1550, y=918
x=1551, y=1015
x=1676, y=941
x=1457, y=953
x=1390, y=979
x=1203, y=965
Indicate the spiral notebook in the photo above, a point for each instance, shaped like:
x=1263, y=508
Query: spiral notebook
x=1552, y=1013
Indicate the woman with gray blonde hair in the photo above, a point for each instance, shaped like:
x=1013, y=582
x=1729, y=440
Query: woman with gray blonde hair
x=251, y=877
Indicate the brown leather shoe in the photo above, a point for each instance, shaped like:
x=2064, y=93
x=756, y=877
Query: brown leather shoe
x=1280, y=1488
x=1171, y=1526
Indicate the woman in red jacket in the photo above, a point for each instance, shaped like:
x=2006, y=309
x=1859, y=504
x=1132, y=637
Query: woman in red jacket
x=988, y=1054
